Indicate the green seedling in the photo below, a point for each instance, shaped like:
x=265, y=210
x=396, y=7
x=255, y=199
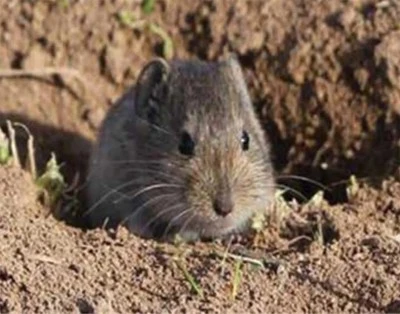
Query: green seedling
x=244, y=259
x=237, y=276
x=257, y=222
x=192, y=282
x=148, y=6
x=168, y=47
x=282, y=208
x=319, y=233
x=224, y=257
x=317, y=199
x=180, y=251
x=5, y=153
x=280, y=200
x=51, y=182
x=64, y=3
x=353, y=188
x=128, y=19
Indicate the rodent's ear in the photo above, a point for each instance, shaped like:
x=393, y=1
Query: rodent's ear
x=149, y=83
x=237, y=76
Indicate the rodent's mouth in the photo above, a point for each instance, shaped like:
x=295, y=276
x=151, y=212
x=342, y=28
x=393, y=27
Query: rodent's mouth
x=206, y=228
x=195, y=223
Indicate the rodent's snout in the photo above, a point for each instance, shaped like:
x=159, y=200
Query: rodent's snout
x=223, y=203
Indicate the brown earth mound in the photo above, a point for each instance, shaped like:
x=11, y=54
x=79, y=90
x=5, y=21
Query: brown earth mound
x=49, y=267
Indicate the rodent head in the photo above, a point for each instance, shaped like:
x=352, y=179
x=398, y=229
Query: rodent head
x=205, y=146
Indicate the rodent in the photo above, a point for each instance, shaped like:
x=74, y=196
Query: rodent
x=181, y=153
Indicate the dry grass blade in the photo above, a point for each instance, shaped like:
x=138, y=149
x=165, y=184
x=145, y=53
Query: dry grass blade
x=14, y=150
x=31, y=150
x=396, y=238
x=244, y=259
x=44, y=259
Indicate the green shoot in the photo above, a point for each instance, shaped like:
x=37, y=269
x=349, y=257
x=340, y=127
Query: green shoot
x=51, y=182
x=317, y=199
x=63, y=3
x=237, y=276
x=353, y=187
x=5, y=153
x=168, y=47
x=257, y=222
x=127, y=18
x=148, y=6
x=195, y=286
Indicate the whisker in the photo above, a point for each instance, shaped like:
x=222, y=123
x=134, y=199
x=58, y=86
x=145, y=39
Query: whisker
x=359, y=179
x=132, y=161
x=186, y=223
x=141, y=207
x=151, y=171
x=300, y=178
x=294, y=191
x=147, y=189
x=160, y=214
x=170, y=223
x=108, y=194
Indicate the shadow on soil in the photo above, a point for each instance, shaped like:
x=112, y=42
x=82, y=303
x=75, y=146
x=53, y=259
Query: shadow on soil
x=71, y=150
x=375, y=162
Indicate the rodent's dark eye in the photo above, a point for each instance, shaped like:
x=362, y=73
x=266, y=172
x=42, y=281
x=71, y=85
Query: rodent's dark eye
x=245, y=140
x=186, y=146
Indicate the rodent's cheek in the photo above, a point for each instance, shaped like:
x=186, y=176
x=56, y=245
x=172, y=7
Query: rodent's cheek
x=201, y=204
x=253, y=196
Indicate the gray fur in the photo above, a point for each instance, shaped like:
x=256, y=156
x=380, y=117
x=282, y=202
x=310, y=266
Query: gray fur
x=138, y=176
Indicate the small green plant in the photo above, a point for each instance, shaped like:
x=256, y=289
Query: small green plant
x=353, y=188
x=51, y=182
x=64, y=3
x=257, y=222
x=318, y=234
x=5, y=153
x=129, y=19
x=237, y=276
x=317, y=199
x=148, y=6
x=180, y=251
x=168, y=47
x=193, y=283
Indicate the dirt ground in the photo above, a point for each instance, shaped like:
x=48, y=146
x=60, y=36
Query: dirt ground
x=325, y=80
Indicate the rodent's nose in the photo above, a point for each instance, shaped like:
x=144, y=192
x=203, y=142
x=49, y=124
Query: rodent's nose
x=223, y=205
